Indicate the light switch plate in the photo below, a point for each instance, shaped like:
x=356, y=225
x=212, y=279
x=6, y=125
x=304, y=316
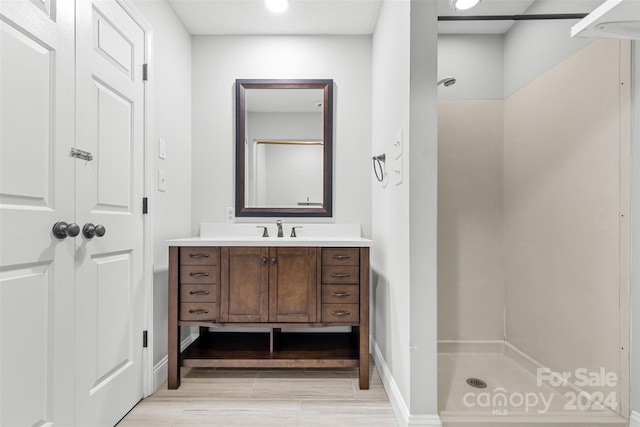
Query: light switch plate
x=162, y=180
x=397, y=171
x=397, y=145
x=162, y=148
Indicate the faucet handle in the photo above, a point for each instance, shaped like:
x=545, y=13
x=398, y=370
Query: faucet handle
x=293, y=230
x=265, y=233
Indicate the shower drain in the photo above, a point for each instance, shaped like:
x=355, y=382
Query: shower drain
x=476, y=382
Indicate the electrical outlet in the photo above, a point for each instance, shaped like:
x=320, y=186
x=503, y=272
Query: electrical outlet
x=228, y=215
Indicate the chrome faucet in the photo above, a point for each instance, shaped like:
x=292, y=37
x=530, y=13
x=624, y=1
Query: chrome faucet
x=279, y=224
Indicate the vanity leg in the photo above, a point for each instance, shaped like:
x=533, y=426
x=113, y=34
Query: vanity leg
x=363, y=330
x=173, y=378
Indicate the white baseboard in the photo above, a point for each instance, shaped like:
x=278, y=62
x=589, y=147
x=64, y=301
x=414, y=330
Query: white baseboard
x=400, y=409
x=634, y=421
x=160, y=369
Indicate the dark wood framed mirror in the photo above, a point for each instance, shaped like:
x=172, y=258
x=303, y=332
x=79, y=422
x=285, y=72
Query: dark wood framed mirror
x=284, y=148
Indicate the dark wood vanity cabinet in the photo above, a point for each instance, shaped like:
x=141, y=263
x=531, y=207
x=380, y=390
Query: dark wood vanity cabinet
x=262, y=284
x=275, y=288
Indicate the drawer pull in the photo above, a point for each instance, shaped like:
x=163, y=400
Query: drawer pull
x=340, y=313
x=340, y=294
x=198, y=256
x=198, y=274
x=198, y=292
x=198, y=311
x=341, y=256
x=340, y=275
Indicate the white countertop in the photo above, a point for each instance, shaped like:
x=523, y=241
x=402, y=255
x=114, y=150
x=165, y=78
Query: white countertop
x=321, y=235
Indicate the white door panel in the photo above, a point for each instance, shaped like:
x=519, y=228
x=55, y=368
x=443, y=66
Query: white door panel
x=109, y=190
x=36, y=191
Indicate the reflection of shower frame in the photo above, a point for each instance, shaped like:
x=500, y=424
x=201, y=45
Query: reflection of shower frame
x=297, y=142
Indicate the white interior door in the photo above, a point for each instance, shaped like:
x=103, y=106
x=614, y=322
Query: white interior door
x=109, y=189
x=36, y=191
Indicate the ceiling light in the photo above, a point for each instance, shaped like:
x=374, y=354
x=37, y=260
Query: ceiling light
x=277, y=6
x=463, y=4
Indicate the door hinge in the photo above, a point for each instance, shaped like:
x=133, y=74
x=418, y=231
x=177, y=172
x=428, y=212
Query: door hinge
x=145, y=342
x=145, y=205
x=145, y=72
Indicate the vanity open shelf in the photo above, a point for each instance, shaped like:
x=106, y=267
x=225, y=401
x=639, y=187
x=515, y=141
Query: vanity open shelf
x=273, y=350
x=292, y=292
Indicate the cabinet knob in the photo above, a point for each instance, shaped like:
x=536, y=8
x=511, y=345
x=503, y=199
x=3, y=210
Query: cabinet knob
x=264, y=261
x=273, y=261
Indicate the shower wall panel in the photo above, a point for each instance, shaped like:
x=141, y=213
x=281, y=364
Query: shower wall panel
x=471, y=293
x=564, y=193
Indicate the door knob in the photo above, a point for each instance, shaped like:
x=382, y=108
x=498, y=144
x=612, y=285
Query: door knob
x=61, y=230
x=90, y=231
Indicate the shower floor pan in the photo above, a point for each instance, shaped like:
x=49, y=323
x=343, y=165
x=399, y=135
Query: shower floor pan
x=512, y=396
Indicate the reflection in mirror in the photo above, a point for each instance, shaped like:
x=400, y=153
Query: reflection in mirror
x=283, y=147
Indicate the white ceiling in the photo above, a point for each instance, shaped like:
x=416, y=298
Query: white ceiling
x=303, y=17
x=251, y=17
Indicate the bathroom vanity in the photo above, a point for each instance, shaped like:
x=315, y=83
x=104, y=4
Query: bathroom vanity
x=267, y=302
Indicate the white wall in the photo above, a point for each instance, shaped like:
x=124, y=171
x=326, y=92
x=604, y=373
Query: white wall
x=219, y=60
x=475, y=61
x=404, y=216
x=170, y=77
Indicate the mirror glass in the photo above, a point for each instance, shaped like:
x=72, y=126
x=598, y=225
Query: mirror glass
x=283, y=147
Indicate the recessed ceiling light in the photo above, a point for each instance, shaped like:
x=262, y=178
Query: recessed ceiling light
x=277, y=6
x=463, y=4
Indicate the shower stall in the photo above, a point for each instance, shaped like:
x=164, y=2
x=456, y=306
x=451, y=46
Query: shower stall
x=533, y=243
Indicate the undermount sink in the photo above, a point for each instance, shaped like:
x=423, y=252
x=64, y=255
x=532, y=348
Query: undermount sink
x=250, y=234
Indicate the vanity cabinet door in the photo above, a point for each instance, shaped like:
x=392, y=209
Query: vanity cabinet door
x=245, y=285
x=292, y=284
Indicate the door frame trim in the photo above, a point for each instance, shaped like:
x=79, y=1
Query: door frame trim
x=148, y=219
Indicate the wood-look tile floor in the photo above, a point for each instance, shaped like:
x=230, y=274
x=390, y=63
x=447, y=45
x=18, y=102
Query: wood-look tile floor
x=279, y=398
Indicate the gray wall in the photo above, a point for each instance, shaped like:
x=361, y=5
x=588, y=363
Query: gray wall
x=476, y=61
x=404, y=216
x=170, y=77
x=534, y=47
x=219, y=60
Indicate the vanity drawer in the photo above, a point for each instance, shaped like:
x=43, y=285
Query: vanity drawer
x=198, y=274
x=341, y=256
x=340, y=294
x=341, y=274
x=195, y=311
x=198, y=293
x=199, y=256
x=340, y=313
